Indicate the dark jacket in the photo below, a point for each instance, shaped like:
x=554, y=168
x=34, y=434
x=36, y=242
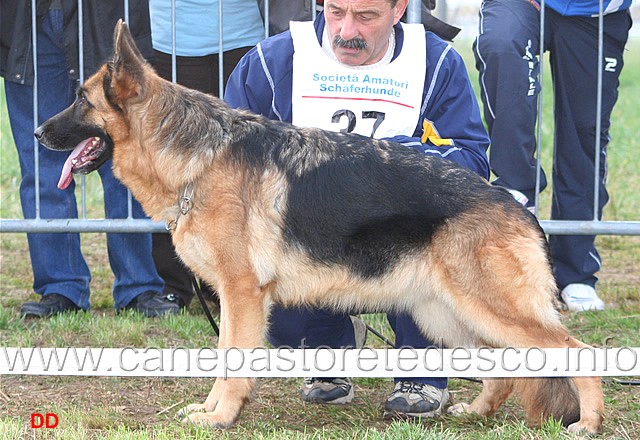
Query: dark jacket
x=99, y=18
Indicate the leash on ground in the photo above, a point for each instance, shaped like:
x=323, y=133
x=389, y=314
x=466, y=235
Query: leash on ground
x=627, y=382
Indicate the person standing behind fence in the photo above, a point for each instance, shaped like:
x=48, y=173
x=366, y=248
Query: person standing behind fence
x=345, y=72
x=506, y=52
x=60, y=273
x=197, y=61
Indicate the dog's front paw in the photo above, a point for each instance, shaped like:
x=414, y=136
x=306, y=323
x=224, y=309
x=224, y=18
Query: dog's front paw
x=193, y=408
x=208, y=419
x=458, y=409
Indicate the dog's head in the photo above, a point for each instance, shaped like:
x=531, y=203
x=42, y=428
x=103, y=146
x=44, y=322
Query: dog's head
x=97, y=119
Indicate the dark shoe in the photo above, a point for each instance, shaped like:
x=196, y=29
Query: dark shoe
x=323, y=390
x=152, y=304
x=339, y=390
x=176, y=298
x=49, y=305
x=412, y=400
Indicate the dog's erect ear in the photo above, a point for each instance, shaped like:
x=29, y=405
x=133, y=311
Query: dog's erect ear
x=126, y=66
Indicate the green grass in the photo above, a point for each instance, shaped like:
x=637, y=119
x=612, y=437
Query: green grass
x=395, y=430
x=143, y=408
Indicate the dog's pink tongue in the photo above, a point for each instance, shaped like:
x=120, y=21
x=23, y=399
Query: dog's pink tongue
x=66, y=176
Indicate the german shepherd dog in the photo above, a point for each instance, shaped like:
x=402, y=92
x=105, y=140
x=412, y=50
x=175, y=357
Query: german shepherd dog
x=301, y=216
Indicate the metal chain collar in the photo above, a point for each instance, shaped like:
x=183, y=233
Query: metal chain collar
x=185, y=203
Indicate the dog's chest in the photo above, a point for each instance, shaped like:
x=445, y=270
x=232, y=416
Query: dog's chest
x=196, y=255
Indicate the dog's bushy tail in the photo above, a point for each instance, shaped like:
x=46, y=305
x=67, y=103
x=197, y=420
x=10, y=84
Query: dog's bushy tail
x=549, y=397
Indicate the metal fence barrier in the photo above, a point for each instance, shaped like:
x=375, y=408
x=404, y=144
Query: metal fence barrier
x=129, y=224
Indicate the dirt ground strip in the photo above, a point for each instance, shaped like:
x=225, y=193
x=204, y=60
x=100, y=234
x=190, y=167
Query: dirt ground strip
x=104, y=403
x=99, y=404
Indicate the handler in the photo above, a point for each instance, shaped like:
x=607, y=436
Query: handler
x=358, y=69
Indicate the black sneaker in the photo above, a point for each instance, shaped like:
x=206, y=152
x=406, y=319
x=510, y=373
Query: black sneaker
x=335, y=391
x=152, y=304
x=49, y=305
x=412, y=400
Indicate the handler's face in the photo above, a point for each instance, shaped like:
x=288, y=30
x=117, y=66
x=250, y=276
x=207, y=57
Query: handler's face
x=359, y=29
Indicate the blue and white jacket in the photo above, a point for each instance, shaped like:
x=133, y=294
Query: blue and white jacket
x=450, y=125
x=587, y=8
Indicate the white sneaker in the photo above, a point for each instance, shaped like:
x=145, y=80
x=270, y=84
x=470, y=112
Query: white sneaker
x=523, y=200
x=520, y=198
x=581, y=297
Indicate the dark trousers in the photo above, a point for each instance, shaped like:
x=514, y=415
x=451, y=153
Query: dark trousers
x=199, y=73
x=506, y=56
x=314, y=328
x=56, y=259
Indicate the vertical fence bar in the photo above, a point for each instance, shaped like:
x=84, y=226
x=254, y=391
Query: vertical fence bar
x=266, y=18
x=174, y=70
x=598, y=146
x=83, y=180
x=539, y=118
x=414, y=14
x=220, y=53
x=36, y=147
x=129, y=196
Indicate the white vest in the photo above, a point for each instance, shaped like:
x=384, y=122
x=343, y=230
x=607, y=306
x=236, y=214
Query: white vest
x=380, y=102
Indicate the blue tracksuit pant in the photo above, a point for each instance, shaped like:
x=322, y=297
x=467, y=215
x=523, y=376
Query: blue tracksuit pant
x=506, y=56
x=312, y=328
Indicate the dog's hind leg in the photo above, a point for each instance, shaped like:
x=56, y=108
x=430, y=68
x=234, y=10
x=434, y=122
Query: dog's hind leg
x=591, y=405
x=502, y=292
x=502, y=289
x=494, y=393
x=244, y=312
x=591, y=402
x=577, y=401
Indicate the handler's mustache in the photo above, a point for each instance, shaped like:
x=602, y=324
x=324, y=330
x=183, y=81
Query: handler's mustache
x=354, y=43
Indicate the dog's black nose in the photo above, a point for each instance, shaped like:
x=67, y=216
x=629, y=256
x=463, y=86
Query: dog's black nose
x=38, y=133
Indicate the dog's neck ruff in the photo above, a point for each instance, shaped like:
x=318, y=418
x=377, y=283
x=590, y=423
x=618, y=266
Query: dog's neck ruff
x=185, y=203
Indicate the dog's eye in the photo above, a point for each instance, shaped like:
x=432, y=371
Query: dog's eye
x=80, y=94
x=81, y=100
